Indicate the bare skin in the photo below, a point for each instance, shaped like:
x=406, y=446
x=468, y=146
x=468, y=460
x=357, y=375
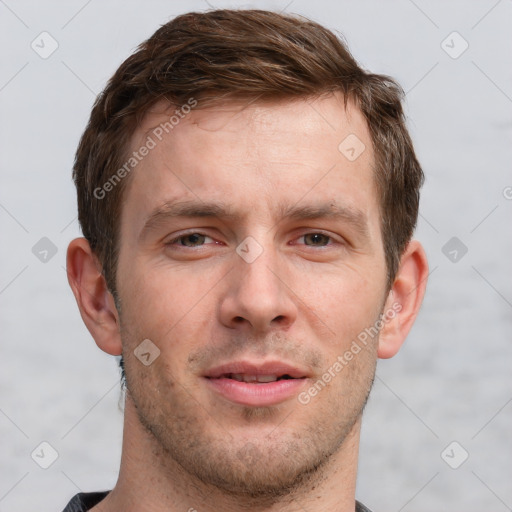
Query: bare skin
x=272, y=172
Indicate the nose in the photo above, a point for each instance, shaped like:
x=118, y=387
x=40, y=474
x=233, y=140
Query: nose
x=258, y=298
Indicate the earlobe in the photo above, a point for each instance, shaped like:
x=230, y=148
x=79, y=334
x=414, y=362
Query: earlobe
x=404, y=300
x=95, y=302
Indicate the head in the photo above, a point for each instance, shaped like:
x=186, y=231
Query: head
x=225, y=222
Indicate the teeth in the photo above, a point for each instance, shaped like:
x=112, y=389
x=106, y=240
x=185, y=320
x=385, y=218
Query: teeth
x=253, y=378
x=236, y=376
x=267, y=378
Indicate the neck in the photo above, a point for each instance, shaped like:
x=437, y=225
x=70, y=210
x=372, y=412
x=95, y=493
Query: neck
x=150, y=480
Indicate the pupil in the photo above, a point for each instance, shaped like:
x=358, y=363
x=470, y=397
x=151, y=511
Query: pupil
x=317, y=239
x=193, y=239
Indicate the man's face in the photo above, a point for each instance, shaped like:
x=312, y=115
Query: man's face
x=251, y=250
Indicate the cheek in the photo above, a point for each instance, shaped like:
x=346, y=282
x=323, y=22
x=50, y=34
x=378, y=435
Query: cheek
x=170, y=307
x=346, y=301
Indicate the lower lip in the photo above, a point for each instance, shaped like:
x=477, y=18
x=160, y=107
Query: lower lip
x=257, y=395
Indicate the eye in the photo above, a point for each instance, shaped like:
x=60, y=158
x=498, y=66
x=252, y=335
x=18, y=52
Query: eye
x=316, y=239
x=191, y=240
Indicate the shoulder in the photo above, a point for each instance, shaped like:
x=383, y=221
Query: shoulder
x=84, y=501
x=361, y=508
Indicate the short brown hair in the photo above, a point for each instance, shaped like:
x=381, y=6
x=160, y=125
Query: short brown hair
x=241, y=54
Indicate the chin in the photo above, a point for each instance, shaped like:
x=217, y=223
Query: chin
x=263, y=475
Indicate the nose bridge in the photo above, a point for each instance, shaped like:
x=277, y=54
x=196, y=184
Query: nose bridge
x=257, y=297
x=256, y=278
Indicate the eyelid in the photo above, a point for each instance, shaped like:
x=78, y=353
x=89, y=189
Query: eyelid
x=176, y=237
x=333, y=238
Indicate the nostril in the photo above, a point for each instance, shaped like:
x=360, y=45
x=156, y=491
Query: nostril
x=278, y=319
x=238, y=319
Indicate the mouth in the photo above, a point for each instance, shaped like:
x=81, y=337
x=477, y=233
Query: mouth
x=255, y=379
x=257, y=384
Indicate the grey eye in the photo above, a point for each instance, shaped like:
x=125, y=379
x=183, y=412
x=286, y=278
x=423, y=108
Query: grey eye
x=192, y=240
x=316, y=239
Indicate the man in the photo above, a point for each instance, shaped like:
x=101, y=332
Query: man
x=247, y=196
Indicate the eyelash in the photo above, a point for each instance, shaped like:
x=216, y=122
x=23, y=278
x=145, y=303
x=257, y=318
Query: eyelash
x=174, y=241
x=330, y=238
x=185, y=235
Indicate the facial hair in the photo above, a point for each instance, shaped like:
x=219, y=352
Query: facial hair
x=292, y=452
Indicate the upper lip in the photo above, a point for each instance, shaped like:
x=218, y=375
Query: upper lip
x=278, y=368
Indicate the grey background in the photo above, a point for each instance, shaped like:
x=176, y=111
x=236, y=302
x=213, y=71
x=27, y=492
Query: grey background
x=452, y=380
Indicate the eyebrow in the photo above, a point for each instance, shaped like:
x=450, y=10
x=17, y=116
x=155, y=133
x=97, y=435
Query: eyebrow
x=219, y=210
x=348, y=215
x=190, y=208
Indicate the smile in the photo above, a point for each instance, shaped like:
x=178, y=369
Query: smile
x=242, y=377
x=256, y=384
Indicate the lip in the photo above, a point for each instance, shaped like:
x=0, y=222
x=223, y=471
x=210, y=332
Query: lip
x=255, y=368
x=256, y=394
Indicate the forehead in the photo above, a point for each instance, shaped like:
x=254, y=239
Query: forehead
x=254, y=154
x=281, y=122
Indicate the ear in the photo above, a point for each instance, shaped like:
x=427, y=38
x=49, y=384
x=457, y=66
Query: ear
x=96, y=303
x=404, y=300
